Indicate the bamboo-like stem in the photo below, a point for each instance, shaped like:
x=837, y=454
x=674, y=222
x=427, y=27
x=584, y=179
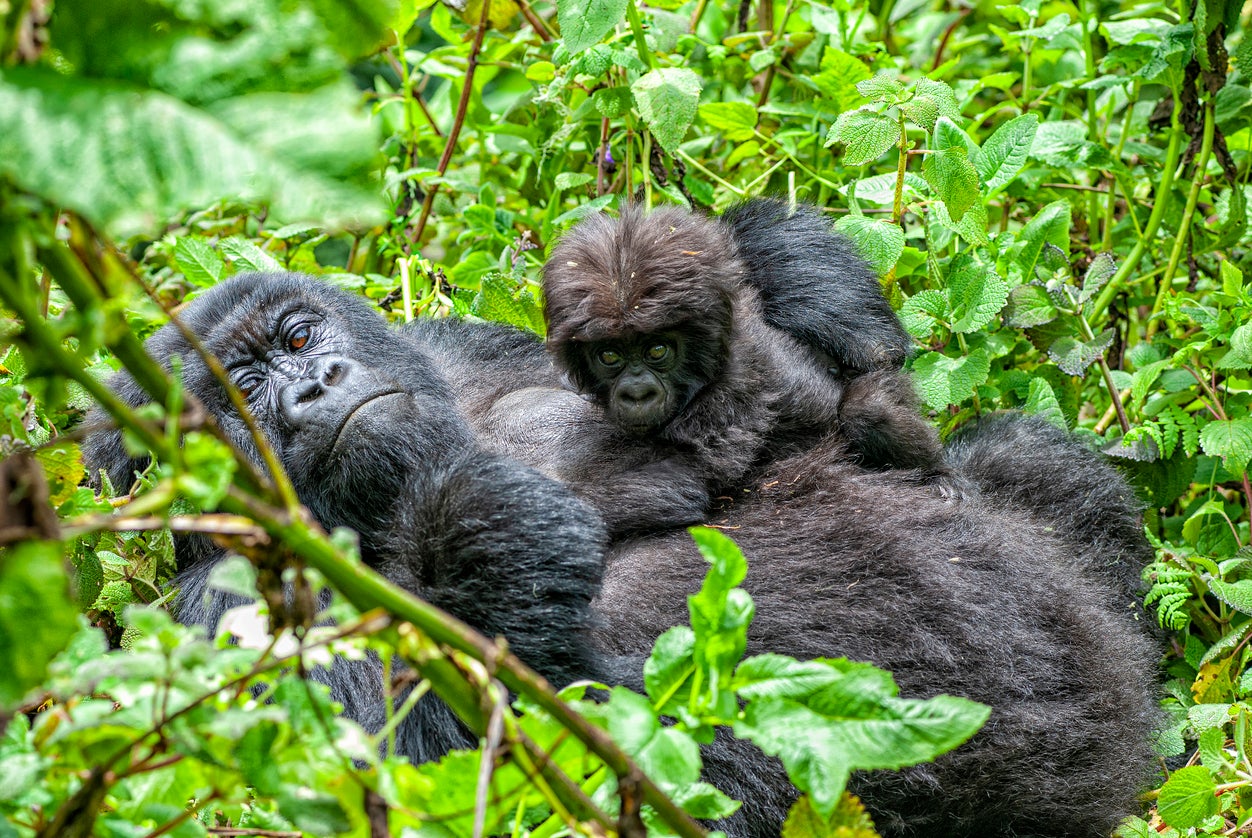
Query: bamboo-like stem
x=1184, y=226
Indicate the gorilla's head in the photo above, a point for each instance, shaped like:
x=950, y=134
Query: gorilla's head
x=348, y=406
x=640, y=311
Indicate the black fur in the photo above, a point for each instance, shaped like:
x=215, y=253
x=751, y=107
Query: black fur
x=965, y=597
x=372, y=439
x=970, y=595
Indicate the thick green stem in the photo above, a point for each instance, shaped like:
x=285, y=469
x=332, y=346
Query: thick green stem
x=1184, y=226
x=1154, y=220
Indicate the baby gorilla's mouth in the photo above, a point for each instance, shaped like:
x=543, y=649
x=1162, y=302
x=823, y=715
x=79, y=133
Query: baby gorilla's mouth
x=367, y=409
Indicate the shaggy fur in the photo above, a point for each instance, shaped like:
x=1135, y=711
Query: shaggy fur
x=976, y=597
x=372, y=439
x=747, y=390
x=965, y=597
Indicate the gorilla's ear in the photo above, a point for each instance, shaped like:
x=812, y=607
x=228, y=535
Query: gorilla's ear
x=814, y=285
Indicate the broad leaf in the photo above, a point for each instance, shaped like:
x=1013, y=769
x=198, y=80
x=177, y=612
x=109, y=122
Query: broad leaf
x=584, y=22
x=1231, y=440
x=1006, y=151
x=865, y=135
x=666, y=100
x=879, y=242
x=1188, y=797
x=943, y=380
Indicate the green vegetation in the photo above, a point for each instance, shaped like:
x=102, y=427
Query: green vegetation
x=1057, y=197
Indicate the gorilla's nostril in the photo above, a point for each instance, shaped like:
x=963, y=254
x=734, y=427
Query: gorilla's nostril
x=334, y=373
x=309, y=394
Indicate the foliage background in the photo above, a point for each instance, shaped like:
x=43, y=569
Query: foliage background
x=1056, y=194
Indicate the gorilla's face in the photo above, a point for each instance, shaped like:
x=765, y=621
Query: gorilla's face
x=643, y=381
x=352, y=411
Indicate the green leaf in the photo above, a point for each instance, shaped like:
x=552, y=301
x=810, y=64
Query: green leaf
x=953, y=178
x=736, y=120
x=879, y=242
x=669, y=666
x=127, y=160
x=38, y=617
x=584, y=22
x=850, y=820
x=1099, y=272
x=247, y=256
x=571, y=180
x=1073, y=355
x=976, y=293
x=882, y=86
x=319, y=814
x=820, y=744
x=1230, y=439
x=1030, y=305
x=920, y=312
x=1050, y=226
x=499, y=300
x=865, y=135
x=944, y=381
x=612, y=102
x=541, y=72
x=720, y=615
x=1232, y=277
x=198, y=261
x=1005, y=152
x=1188, y=797
x=1042, y=402
x=666, y=99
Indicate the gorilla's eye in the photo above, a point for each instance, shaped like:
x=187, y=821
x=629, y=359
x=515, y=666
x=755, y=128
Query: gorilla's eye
x=609, y=358
x=659, y=352
x=298, y=338
x=248, y=385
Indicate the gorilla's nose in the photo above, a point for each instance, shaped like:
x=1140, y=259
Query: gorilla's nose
x=325, y=388
x=639, y=393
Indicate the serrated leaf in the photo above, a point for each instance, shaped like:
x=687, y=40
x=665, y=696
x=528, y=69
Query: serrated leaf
x=1241, y=342
x=865, y=136
x=1144, y=378
x=953, y=178
x=849, y=820
x=879, y=242
x=821, y=749
x=941, y=94
x=1099, y=272
x=944, y=381
x=1232, y=277
x=922, y=111
x=881, y=86
x=1005, y=152
x=1188, y=797
x=921, y=310
x=585, y=22
x=735, y=120
x=667, y=99
x=1073, y=355
x=976, y=293
x=198, y=261
x=498, y=300
x=612, y=102
x=1030, y=305
x=1230, y=439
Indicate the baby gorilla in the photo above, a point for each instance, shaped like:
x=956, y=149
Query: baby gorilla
x=372, y=440
x=658, y=321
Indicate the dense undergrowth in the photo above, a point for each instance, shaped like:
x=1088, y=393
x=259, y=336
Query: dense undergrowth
x=1056, y=195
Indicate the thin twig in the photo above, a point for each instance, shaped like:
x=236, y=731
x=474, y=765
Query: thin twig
x=462, y=108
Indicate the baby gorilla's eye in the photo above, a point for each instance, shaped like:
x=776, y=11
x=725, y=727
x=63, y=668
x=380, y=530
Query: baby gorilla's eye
x=658, y=352
x=298, y=338
x=609, y=358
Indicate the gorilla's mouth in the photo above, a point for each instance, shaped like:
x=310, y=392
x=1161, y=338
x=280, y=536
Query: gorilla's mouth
x=368, y=407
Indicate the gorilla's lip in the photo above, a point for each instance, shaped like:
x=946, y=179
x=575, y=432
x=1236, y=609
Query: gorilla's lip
x=347, y=420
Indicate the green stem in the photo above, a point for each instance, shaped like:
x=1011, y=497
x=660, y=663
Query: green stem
x=1154, y=220
x=636, y=27
x=1184, y=226
x=1107, y=243
x=1088, y=22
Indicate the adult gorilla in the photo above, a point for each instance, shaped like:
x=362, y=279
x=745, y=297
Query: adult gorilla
x=971, y=601
x=372, y=439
